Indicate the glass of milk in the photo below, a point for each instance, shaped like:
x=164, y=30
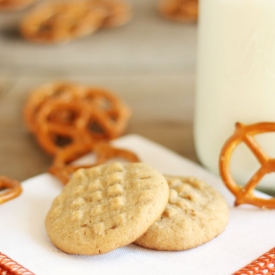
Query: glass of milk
x=235, y=81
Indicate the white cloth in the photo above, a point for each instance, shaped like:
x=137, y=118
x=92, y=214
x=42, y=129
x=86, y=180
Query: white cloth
x=249, y=234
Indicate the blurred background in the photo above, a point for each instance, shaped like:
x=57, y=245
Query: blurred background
x=149, y=62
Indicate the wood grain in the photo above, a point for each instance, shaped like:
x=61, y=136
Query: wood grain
x=149, y=63
x=162, y=111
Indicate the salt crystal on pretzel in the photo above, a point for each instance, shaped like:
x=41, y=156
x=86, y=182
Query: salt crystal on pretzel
x=245, y=133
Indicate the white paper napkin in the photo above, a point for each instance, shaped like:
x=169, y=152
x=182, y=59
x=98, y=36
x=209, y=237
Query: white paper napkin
x=249, y=234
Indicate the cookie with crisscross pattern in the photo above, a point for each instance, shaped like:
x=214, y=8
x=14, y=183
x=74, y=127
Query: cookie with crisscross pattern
x=106, y=207
x=195, y=214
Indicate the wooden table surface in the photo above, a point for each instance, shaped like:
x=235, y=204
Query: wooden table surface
x=149, y=63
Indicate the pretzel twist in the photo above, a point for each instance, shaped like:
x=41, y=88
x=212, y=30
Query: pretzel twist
x=10, y=5
x=117, y=12
x=61, y=22
x=54, y=90
x=104, y=152
x=12, y=189
x=64, y=21
x=180, y=10
x=245, y=133
x=62, y=115
x=70, y=120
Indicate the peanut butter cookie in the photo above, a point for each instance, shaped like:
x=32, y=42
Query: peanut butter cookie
x=106, y=207
x=195, y=214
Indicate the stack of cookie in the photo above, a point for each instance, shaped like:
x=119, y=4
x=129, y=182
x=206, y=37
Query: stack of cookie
x=115, y=204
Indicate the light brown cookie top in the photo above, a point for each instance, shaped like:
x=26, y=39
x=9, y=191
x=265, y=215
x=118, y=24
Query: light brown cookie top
x=195, y=214
x=106, y=207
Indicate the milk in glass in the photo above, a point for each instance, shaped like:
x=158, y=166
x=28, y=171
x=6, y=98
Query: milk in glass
x=235, y=80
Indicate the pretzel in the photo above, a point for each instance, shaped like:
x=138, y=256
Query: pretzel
x=179, y=10
x=90, y=122
x=62, y=90
x=61, y=21
x=10, y=5
x=246, y=133
x=117, y=12
x=13, y=189
x=103, y=151
x=70, y=120
x=55, y=135
x=61, y=167
x=61, y=115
